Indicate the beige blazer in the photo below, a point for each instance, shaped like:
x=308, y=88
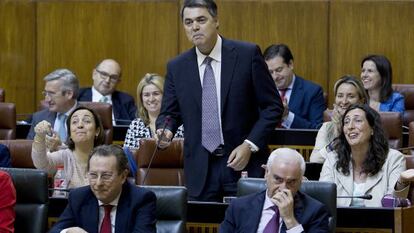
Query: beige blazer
x=378, y=185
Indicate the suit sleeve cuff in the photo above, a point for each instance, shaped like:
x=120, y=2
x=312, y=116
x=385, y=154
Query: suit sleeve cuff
x=252, y=146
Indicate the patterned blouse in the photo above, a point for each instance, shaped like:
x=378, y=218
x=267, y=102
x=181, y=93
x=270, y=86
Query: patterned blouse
x=138, y=129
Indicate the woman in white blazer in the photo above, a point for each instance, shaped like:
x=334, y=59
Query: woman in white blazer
x=362, y=163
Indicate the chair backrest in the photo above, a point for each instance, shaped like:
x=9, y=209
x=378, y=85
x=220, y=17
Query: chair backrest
x=167, y=167
x=20, y=152
x=32, y=199
x=325, y=192
x=171, y=208
x=2, y=95
x=104, y=110
x=7, y=121
x=407, y=90
x=392, y=125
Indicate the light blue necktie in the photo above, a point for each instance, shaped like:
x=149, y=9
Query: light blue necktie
x=104, y=99
x=210, y=128
x=62, y=129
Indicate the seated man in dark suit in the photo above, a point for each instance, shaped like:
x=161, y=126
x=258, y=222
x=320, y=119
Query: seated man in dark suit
x=106, y=77
x=109, y=203
x=61, y=90
x=281, y=207
x=303, y=100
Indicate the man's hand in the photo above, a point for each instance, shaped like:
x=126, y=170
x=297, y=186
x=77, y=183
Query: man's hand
x=284, y=201
x=239, y=157
x=164, y=139
x=75, y=230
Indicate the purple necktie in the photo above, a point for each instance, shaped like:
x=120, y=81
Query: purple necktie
x=210, y=127
x=273, y=225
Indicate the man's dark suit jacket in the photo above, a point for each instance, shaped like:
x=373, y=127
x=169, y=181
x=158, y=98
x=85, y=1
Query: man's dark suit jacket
x=244, y=213
x=308, y=104
x=39, y=116
x=123, y=105
x=249, y=109
x=135, y=211
x=4, y=156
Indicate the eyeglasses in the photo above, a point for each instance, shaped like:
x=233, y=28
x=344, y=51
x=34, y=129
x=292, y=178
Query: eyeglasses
x=104, y=177
x=51, y=94
x=112, y=77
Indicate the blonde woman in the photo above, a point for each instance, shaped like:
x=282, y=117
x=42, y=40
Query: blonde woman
x=149, y=96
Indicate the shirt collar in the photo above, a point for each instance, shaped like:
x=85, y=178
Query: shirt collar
x=215, y=53
x=70, y=110
x=98, y=95
x=268, y=203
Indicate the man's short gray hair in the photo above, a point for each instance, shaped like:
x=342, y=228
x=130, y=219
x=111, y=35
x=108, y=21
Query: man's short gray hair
x=287, y=152
x=69, y=80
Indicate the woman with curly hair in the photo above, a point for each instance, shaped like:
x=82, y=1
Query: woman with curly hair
x=348, y=90
x=361, y=161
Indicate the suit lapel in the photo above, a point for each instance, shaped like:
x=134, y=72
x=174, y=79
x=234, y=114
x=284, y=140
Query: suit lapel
x=91, y=209
x=297, y=94
x=372, y=181
x=192, y=76
x=228, y=64
x=255, y=207
x=346, y=181
x=123, y=211
x=51, y=117
x=115, y=103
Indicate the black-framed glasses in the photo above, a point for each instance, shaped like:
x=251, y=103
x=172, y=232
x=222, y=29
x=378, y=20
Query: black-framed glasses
x=112, y=77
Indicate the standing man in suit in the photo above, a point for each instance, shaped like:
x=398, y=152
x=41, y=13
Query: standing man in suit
x=106, y=76
x=61, y=90
x=222, y=92
x=109, y=203
x=303, y=100
x=281, y=207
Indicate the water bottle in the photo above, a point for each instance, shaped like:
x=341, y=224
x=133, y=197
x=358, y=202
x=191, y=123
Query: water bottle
x=59, y=183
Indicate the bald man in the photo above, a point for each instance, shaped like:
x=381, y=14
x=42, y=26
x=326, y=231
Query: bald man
x=281, y=206
x=106, y=76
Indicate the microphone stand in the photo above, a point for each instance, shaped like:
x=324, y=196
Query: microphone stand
x=167, y=119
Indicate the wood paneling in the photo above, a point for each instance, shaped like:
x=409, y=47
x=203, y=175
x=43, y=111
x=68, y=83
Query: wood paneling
x=140, y=35
x=302, y=25
x=327, y=38
x=17, y=53
x=359, y=28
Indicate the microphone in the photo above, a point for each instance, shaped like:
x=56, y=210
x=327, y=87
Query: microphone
x=405, y=148
x=365, y=197
x=157, y=147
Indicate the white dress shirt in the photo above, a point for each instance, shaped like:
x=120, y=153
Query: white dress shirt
x=97, y=96
x=267, y=214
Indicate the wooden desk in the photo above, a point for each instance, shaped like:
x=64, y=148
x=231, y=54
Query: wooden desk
x=206, y=217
